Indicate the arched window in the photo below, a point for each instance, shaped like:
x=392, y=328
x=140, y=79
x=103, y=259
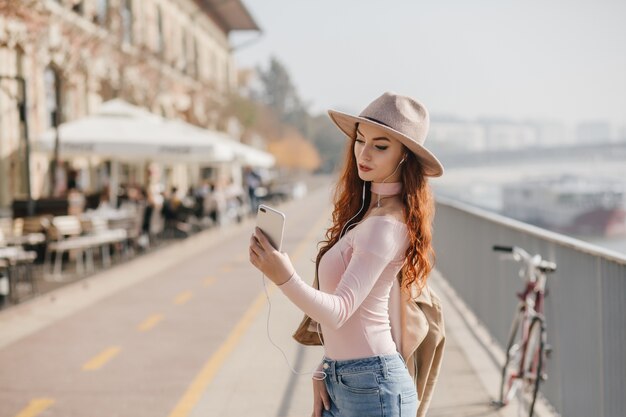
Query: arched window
x=127, y=21
x=103, y=12
x=52, y=83
x=107, y=90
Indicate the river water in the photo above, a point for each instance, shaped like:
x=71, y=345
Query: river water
x=481, y=186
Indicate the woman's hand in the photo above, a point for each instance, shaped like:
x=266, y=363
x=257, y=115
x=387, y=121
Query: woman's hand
x=320, y=398
x=274, y=265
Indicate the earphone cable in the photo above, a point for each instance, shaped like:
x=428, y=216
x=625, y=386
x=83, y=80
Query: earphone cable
x=269, y=311
x=394, y=171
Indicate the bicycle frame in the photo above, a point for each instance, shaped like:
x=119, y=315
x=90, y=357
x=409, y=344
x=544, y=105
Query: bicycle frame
x=530, y=307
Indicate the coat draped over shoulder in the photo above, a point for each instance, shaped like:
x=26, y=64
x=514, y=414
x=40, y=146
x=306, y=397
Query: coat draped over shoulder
x=422, y=338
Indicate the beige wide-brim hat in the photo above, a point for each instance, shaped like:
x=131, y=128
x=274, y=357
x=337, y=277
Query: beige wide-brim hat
x=403, y=118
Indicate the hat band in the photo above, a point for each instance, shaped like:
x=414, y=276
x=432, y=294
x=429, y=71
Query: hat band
x=377, y=121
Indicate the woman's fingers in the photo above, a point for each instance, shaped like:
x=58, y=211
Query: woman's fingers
x=323, y=394
x=275, y=265
x=317, y=401
x=317, y=409
x=254, y=242
x=265, y=243
x=325, y=398
x=317, y=406
x=321, y=399
x=255, y=246
x=254, y=251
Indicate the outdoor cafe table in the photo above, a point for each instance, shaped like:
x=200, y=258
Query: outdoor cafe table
x=28, y=239
x=15, y=256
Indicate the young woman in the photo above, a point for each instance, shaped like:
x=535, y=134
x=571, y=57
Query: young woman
x=381, y=226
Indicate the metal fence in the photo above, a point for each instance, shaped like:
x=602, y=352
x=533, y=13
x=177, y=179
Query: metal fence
x=585, y=304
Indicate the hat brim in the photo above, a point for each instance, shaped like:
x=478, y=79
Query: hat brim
x=347, y=124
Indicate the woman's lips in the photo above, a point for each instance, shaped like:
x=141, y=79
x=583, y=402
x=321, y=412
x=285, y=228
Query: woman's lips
x=364, y=168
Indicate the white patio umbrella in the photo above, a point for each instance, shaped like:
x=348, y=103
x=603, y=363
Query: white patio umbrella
x=248, y=155
x=245, y=154
x=125, y=132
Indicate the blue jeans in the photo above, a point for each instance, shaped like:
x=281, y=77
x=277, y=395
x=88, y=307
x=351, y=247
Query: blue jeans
x=377, y=386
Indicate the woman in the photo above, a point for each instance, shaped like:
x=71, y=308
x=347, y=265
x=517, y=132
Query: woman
x=381, y=226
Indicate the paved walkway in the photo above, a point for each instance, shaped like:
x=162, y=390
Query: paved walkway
x=243, y=373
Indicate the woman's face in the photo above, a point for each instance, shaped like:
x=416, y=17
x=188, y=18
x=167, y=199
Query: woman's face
x=377, y=156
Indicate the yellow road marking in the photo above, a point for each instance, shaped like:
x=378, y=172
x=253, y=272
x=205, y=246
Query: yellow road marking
x=201, y=381
x=98, y=361
x=150, y=322
x=210, y=368
x=35, y=407
x=209, y=281
x=183, y=297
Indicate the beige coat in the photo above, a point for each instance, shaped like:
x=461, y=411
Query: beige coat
x=422, y=339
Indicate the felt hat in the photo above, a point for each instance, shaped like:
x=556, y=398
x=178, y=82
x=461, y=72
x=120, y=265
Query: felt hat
x=402, y=118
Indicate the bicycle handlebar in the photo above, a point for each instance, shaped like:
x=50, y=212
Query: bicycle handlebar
x=547, y=266
x=499, y=248
x=536, y=261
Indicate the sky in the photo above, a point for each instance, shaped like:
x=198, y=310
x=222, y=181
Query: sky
x=554, y=60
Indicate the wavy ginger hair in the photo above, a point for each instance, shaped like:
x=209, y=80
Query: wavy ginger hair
x=419, y=210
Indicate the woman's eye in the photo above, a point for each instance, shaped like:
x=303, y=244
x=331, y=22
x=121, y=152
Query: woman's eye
x=359, y=140
x=382, y=148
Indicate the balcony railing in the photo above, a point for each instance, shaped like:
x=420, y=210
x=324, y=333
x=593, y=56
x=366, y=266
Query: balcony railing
x=585, y=306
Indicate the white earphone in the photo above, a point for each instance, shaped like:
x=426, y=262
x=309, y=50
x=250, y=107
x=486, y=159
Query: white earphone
x=315, y=373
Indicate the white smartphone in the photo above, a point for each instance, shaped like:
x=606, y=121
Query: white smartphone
x=272, y=223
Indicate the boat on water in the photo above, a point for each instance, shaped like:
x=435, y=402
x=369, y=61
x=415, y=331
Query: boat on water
x=569, y=204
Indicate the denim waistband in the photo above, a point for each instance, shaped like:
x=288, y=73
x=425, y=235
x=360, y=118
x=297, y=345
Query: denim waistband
x=373, y=363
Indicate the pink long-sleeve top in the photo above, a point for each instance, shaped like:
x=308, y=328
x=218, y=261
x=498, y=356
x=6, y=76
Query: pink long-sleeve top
x=355, y=277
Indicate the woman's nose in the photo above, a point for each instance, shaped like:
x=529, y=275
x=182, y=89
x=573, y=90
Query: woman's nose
x=365, y=153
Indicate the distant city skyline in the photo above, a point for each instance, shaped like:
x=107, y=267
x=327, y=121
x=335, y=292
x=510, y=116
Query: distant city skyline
x=558, y=61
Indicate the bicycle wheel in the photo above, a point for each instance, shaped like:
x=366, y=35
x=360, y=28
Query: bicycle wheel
x=533, y=362
x=511, y=369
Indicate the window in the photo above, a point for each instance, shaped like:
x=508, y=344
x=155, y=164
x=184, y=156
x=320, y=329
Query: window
x=103, y=12
x=19, y=70
x=52, y=88
x=127, y=21
x=78, y=7
x=184, y=51
x=160, y=42
x=213, y=65
x=196, y=59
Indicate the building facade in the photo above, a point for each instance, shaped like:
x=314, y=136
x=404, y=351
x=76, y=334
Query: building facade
x=170, y=56
x=456, y=135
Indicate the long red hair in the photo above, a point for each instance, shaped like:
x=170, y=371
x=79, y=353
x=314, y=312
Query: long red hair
x=419, y=210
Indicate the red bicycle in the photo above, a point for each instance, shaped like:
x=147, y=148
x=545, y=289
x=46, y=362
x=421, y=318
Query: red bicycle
x=526, y=350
